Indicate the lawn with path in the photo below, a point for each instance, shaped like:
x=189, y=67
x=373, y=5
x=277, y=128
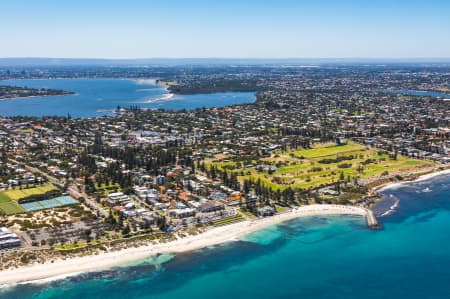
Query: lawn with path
x=325, y=164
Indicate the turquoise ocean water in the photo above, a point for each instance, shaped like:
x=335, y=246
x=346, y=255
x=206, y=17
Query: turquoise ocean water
x=317, y=257
x=97, y=97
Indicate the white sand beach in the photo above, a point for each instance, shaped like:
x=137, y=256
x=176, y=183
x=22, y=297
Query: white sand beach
x=432, y=175
x=146, y=81
x=213, y=236
x=166, y=97
x=419, y=179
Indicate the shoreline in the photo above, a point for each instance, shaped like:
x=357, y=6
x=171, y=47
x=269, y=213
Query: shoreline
x=59, y=269
x=166, y=97
x=39, y=96
x=62, y=268
x=420, y=178
x=393, y=185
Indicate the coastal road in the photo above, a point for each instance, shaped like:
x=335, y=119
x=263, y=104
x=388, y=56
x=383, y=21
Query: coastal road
x=50, y=178
x=72, y=191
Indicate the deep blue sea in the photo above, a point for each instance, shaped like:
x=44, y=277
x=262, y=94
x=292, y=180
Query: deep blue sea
x=97, y=97
x=319, y=257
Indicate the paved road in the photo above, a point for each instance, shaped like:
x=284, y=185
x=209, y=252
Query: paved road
x=50, y=178
x=89, y=200
x=72, y=191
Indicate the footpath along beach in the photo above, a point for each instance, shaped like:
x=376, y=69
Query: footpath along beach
x=213, y=236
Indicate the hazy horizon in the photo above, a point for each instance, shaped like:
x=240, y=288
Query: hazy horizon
x=136, y=62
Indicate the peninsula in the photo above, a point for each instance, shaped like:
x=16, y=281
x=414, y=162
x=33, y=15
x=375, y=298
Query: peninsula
x=14, y=92
x=214, y=85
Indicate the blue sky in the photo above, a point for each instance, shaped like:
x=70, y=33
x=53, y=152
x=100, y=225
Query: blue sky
x=231, y=28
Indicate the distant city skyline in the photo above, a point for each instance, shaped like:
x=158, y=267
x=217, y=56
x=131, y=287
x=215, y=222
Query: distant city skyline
x=225, y=29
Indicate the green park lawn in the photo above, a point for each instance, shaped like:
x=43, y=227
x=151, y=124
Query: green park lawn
x=105, y=190
x=8, y=206
x=9, y=200
x=303, y=168
x=326, y=149
x=18, y=194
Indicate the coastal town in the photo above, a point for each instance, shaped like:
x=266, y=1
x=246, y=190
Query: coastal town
x=315, y=137
x=224, y=149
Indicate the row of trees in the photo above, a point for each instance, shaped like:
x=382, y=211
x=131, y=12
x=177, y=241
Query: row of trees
x=154, y=160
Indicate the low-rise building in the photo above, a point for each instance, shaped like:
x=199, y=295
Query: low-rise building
x=265, y=211
x=8, y=238
x=182, y=213
x=210, y=206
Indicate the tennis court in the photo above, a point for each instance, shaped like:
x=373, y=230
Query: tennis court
x=49, y=203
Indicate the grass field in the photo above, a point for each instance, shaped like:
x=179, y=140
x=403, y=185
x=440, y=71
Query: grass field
x=325, y=164
x=9, y=207
x=326, y=149
x=228, y=220
x=17, y=194
x=106, y=190
x=9, y=199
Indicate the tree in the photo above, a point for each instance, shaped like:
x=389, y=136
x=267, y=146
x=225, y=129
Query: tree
x=162, y=223
x=87, y=235
x=126, y=230
x=111, y=219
